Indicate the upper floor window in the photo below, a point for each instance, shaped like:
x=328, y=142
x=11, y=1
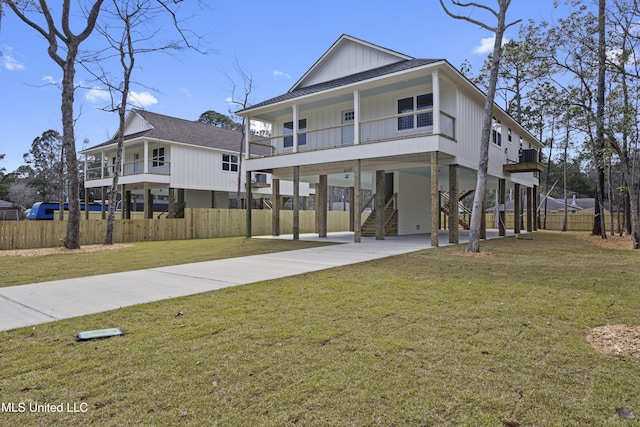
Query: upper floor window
x=157, y=156
x=496, y=132
x=229, y=163
x=415, y=103
x=288, y=130
x=509, y=136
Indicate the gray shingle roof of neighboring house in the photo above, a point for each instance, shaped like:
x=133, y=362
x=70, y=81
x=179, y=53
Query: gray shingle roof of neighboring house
x=184, y=131
x=347, y=80
x=6, y=205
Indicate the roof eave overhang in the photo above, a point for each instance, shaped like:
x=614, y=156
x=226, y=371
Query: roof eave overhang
x=347, y=88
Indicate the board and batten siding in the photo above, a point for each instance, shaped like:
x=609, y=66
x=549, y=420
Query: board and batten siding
x=200, y=169
x=350, y=59
x=137, y=124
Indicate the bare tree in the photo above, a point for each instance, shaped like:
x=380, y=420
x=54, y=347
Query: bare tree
x=130, y=31
x=241, y=102
x=63, y=49
x=498, y=30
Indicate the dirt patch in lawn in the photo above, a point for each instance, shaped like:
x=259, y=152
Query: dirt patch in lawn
x=56, y=251
x=622, y=243
x=475, y=254
x=621, y=340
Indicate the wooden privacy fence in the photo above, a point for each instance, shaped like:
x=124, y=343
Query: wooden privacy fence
x=575, y=222
x=197, y=224
x=204, y=224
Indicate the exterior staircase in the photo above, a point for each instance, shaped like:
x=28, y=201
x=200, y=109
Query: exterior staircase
x=444, y=207
x=368, y=228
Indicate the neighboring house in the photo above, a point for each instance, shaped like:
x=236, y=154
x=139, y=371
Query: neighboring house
x=367, y=117
x=8, y=211
x=188, y=164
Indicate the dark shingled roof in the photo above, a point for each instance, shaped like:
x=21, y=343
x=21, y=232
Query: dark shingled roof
x=184, y=131
x=347, y=80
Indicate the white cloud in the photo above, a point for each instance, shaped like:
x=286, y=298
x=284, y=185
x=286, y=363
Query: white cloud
x=96, y=94
x=278, y=73
x=11, y=64
x=186, y=92
x=50, y=80
x=142, y=99
x=486, y=45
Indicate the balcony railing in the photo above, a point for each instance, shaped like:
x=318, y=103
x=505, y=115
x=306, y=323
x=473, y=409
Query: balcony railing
x=156, y=167
x=399, y=126
x=528, y=161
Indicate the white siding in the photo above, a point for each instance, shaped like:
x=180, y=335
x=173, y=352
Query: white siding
x=469, y=131
x=136, y=124
x=414, y=203
x=200, y=169
x=350, y=59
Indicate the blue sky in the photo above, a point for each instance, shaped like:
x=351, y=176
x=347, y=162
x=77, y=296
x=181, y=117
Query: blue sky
x=275, y=42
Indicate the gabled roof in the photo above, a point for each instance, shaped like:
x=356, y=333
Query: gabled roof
x=381, y=56
x=347, y=80
x=188, y=132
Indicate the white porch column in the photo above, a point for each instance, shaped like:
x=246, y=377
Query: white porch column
x=103, y=164
x=435, y=80
x=247, y=134
x=295, y=128
x=146, y=157
x=356, y=117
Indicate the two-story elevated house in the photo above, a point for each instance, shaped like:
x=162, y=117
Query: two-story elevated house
x=187, y=163
x=409, y=129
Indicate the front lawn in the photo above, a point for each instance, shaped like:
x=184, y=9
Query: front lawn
x=433, y=338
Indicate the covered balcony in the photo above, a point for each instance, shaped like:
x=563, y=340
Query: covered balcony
x=398, y=126
x=417, y=106
x=138, y=159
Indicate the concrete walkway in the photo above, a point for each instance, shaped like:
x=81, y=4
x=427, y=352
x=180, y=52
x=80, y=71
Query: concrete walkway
x=38, y=303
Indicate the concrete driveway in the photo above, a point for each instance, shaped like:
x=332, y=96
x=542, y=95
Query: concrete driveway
x=37, y=303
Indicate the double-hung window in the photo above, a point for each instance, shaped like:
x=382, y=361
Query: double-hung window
x=415, y=103
x=288, y=133
x=229, y=163
x=157, y=157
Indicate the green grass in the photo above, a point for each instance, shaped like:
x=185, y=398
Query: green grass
x=429, y=338
x=33, y=269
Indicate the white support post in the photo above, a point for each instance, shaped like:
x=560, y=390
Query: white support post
x=435, y=83
x=247, y=134
x=295, y=128
x=146, y=157
x=356, y=117
x=103, y=164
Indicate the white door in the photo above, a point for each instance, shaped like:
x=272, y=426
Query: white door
x=347, y=131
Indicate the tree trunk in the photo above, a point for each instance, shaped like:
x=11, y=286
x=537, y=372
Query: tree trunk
x=72, y=240
x=483, y=164
x=599, y=143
